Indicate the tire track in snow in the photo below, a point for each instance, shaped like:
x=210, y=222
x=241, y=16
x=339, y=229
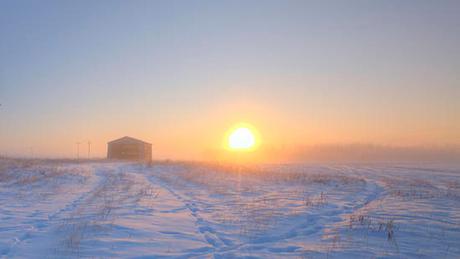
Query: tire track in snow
x=40, y=226
x=207, y=232
x=90, y=205
x=91, y=211
x=89, y=187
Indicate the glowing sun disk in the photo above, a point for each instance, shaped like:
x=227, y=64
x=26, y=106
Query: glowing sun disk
x=241, y=138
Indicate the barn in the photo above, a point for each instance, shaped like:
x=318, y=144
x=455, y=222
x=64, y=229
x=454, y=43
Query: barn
x=127, y=148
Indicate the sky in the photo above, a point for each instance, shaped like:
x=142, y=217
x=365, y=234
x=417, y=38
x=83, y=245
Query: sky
x=179, y=74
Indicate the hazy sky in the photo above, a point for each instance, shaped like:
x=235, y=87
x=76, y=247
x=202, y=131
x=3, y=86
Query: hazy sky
x=180, y=73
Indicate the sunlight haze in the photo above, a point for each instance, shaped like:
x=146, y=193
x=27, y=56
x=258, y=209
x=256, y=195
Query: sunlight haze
x=179, y=74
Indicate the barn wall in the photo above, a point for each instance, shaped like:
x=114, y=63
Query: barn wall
x=130, y=151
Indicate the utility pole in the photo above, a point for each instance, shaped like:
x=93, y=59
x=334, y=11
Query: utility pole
x=89, y=149
x=78, y=150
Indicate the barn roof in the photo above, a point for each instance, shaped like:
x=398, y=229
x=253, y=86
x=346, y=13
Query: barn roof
x=127, y=139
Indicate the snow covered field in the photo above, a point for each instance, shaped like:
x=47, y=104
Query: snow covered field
x=100, y=210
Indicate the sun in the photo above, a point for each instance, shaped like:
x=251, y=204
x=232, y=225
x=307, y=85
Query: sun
x=242, y=137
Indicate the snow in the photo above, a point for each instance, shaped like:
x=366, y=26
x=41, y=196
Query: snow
x=59, y=209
